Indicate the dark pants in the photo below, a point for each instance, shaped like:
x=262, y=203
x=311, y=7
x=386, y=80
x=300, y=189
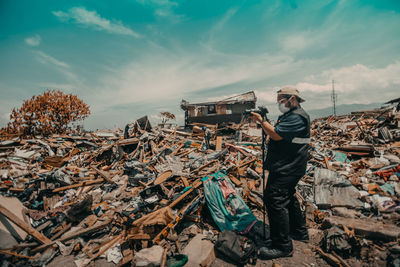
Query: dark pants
x=284, y=213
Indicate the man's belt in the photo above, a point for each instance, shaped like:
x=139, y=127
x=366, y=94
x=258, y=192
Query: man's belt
x=299, y=140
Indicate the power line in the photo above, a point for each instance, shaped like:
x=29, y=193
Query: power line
x=334, y=97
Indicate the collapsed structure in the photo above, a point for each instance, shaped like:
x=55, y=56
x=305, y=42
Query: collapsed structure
x=229, y=110
x=155, y=198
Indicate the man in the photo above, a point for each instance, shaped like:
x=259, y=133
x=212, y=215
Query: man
x=286, y=161
x=207, y=137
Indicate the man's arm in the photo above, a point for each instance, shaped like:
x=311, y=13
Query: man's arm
x=267, y=127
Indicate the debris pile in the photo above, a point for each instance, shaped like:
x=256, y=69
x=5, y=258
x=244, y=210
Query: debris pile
x=160, y=197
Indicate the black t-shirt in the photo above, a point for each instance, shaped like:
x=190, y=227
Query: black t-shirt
x=290, y=126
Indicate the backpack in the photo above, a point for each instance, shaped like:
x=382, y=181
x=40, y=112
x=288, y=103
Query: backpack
x=235, y=248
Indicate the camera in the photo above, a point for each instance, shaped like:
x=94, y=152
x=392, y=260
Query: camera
x=262, y=110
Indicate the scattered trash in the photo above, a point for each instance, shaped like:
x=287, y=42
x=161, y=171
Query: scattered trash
x=158, y=195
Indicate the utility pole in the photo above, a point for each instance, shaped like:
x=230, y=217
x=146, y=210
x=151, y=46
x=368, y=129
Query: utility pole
x=334, y=98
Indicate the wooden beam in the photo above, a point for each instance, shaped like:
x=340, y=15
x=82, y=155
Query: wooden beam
x=6, y=252
x=62, y=231
x=130, y=141
x=204, y=166
x=176, y=201
x=218, y=143
x=185, y=181
x=139, y=236
x=332, y=260
x=85, y=183
x=163, y=177
x=24, y=226
x=177, y=149
x=246, y=163
x=103, y=174
x=235, y=180
x=75, y=234
x=106, y=246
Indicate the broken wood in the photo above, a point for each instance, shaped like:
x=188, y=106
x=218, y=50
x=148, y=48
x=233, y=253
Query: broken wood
x=62, y=231
x=218, y=143
x=85, y=183
x=10, y=253
x=332, y=260
x=163, y=177
x=139, y=236
x=204, y=166
x=235, y=180
x=371, y=229
x=24, y=226
x=103, y=174
x=185, y=181
x=72, y=235
x=107, y=246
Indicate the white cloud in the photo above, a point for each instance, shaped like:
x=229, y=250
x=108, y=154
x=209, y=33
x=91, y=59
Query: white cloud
x=217, y=28
x=47, y=59
x=93, y=20
x=33, y=40
x=165, y=77
x=357, y=84
x=296, y=42
x=266, y=96
x=59, y=65
x=164, y=9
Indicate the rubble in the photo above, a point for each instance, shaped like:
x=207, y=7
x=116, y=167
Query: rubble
x=154, y=197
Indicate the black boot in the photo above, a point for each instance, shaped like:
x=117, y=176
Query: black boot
x=266, y=253
x=300, y=237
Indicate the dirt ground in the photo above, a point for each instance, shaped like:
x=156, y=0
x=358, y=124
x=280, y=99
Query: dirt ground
x=303, y=255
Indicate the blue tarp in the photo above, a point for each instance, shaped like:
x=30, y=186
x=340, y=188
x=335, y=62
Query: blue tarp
x=229, y=212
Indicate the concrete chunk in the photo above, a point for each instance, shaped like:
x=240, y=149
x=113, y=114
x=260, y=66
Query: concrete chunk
x=200, y=252
x=371, y=229
x=149, y=257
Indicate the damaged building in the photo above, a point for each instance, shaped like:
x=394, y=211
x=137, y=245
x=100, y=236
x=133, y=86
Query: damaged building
x=229, y=110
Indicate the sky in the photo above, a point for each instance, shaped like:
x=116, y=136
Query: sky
x=130, y=58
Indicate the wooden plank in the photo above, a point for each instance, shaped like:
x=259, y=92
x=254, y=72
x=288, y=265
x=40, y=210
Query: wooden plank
x=163, y=177
x=62, y=231
x=235, y=180
x=164, y=258
x=328, y=166
x=185, y=181
x=218, y=143
x=246, y=163
x=126, y=260
x=139, y=236
x=332, y=260
x=204, y=166
x=85, y=183
x=6, y=252
x=177, y=149
x=176, y=201
x=23, y=225
x=106, y=247
x=103, y=174
x=177, y=132
x=370, y=229
x=130, y=141
x=72, y=235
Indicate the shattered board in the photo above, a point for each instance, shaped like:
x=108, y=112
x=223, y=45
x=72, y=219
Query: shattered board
x=332, y=190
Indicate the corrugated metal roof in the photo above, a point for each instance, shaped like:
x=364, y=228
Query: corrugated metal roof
x=246, y=97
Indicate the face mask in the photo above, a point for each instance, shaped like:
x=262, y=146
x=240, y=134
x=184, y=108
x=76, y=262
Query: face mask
x=283, y=108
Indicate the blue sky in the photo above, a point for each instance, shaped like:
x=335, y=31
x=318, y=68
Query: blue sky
x=129, y=58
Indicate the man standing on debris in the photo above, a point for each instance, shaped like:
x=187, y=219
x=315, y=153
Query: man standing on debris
x=286, y=161
x=207, y=137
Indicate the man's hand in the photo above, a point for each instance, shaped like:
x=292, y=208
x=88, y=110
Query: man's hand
x=256, y=117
